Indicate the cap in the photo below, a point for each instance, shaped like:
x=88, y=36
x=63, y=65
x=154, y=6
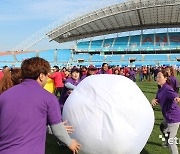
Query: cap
x=75, y=69
x=91, y=67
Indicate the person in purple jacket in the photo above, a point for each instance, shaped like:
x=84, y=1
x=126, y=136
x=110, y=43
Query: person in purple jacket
x=104, y=69
x=25, y=111
x=172, y=78
x=69, y=85
x=132, y=74
x=90, y=71
x=175, y=85
x=166, y=97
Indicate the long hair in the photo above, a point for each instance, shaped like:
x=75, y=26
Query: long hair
x=172, y=70
x=166, y=75
x=11, y=78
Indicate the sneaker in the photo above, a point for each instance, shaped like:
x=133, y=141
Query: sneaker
x=165, y=145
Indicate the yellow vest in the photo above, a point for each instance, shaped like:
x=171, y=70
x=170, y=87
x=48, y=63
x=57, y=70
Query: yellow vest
x=49, y=86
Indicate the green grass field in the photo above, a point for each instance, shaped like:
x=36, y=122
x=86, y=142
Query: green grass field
x=154, y=144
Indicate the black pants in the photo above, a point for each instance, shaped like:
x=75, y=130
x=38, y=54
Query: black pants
x=57, y=91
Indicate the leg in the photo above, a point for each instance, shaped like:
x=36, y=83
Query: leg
x=172, y=129
x=164, y=130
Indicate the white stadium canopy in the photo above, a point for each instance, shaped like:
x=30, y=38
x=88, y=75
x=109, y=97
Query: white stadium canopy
x=122, y=17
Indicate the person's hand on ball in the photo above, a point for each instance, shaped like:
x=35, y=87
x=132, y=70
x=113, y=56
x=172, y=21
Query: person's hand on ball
x=75, y=146
x=69, y=129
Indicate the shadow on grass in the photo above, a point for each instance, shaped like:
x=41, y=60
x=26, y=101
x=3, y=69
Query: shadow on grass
x=144, y=152
x=153, y=143
x=152, y=92
x=156, y=109
x=156, y=124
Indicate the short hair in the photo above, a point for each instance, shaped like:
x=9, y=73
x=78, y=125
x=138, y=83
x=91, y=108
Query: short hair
x=32, y=67
x=56, y=67
x=104, y=64
x=5, y=66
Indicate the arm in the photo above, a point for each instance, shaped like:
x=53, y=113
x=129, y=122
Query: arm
x=154, y=102
x=70, y=86
x=177, y=100
x=69, y=129
x=52, y=76
x=60, y=132
x=171, y=94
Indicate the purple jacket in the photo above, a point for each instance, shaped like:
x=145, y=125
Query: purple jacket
x=101, y=72
x=174, y=83
x=132, y=75
x=64, y=94
x=169, y=107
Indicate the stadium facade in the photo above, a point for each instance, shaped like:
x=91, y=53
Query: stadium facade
x=137, y=50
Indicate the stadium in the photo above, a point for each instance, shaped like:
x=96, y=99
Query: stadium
x=133, y=33
x=160, y=46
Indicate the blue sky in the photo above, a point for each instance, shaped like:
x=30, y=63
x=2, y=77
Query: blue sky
x=20, y=19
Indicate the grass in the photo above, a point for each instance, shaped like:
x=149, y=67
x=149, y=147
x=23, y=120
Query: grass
x=153, y=145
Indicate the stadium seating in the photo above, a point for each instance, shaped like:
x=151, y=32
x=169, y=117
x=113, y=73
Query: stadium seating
x=128, y=57
x=173, y=57
x=134, y=42
x=113, y=58
x=48, y=55
x=21, y=57
x=7, y=58
x=83, y=45
x=85, y=57
x=108, y=43
x=174, y=40
x=97, y=57
x=148, y=42
x=115, y=51
x=63, y=55
x=158, y=57
x=145, y=63
x=96, y=45
x=108, y=57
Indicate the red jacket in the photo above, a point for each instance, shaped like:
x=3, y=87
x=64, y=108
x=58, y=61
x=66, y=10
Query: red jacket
x=57, y=77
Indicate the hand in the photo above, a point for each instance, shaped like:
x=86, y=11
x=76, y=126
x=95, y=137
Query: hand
x=177, y=100
x=75, y=146
x=69, y=92
x=154, y=102
x=69, y=129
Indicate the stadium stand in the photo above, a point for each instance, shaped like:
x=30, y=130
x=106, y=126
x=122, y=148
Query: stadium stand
x=83, y=56
x=21, y=57
x=158, y=57
x=48, y=55
x=136, y=57
x=148, y=42
x=97, y=57
x=174, y=57
x=96, y=45
x=63, y=55
x=7, y=58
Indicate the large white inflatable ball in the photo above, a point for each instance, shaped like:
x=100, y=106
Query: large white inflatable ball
x=110, y=115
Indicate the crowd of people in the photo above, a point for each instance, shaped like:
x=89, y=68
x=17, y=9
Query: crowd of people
x=28, y=108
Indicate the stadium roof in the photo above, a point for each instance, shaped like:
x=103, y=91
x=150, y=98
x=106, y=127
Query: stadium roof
x=126, y=16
